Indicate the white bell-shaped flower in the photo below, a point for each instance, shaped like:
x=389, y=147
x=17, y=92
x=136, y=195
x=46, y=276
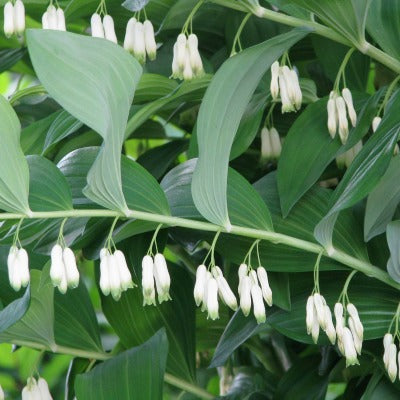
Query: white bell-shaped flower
x=198, y=292
x=149, y=294
x=115, y=280
x=150, y=40
x=19, y=17
x=350, y=107
x=194, y=55
x=350, y=352
x=43, y=389
x=332, y=116
x=225, y=292
x=298, y=95
x=181, y=52
x=23, y=266
x=338, y=311
x=49, y=18
x=139, y=46
x=375, y=123
x=358, y=326
x=342, y=119
x=330, y=329
x=9, y=27
x=315, y=330
x=356, y=338
x=57, y=269
x=387, y=341
x=162, y=278
x=71, y=268
x=187, y=71
x=123, y=269
x=96, y=26
x=129, y=34
x=274, y=86
x=105, y=285
x=311, y=314
x=13, y=274
x=212, y=299
x=109, y=30
x=205, y=294
x=320, y=303
x=245, y=295
x=287, y=105
x=392, y=362
x=61, y=20
x=264, y=283
x=258, y=304
x=242, y=272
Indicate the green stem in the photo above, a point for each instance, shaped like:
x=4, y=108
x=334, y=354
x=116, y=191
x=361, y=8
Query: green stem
x=187, y=386
x=238, y=33
x=39, y=89
x=319, y=29
x=274, y=237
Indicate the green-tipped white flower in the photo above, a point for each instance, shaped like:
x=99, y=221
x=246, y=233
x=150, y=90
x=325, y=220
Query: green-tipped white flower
x=258, y=304
x=287, y=105
x=212, y=299
x=271, y=146
x=315, y=330
x=224, y=291
x=330, y=329
x=57, y=265
x=19, y=17
x=96, y=26
x=350, y=107
x=104, y=272
x=392, y=362
x=298, y=95
x=245, y=295
x=320, y=303
x=162, y=278
x=332, y=115
x=358, y=326
x=205, y=294
x=356, y=338
x=109, y=30
x=187, y=71
x=181, y=52
x=149, y=294
x=349, y=349
x=124, y=273
x=338, y=311
x=342, y=119
x=23, y=266
x=61, y=20
x=115, y=280
x=149, y=40
x=198, y=292
x=71, y=268
x=129, y=34
x=139, y=46
x=9, y=27
x=264, y=283
x=375, y=123
x=274, y=87
x=242, y=272
x=194, y=55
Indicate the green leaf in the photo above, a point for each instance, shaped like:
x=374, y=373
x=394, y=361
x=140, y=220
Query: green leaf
x=176, y=316
x=135, y=374
x=36, y=326
x=14, y=172
x=345, y=17
x=364, y=172
x=299, y=170
x=48, y=188
x=220, y=113
x=392, y=235
x=375, y=302
x=63, y=126
x=382, y=201
x=153, y=86
x=93, y=90
x=135, y=5
x=384, y=26
x=9, y=57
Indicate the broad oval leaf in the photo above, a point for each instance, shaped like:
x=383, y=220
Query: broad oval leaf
x=220, y=113
x=78, y=73
x=14, y=172
x=135, y=374
x=393, y=264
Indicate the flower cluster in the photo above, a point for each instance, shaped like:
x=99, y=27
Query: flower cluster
x=54, y=18
x=18, y=268
x=140, y=39
x=14, y=18
x=115, y=276
x=155, y=276
x=36, y=390
x=285, y=83
x=345, y=159
x=271, y=146
x=103, y=28
x=210, y=284
x=186, y=62
x=254, y=288
x=391, y=358
x=63, y=270
x=339, y=108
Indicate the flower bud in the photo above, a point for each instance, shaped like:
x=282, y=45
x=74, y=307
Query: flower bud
x=310, y=314
x=148, y=281
x=225, y=293
x=198, y=292
x=375, y=123
x=104, y=272
x=330, y=329
x=342, y=118
x=23, y=264
x=139, y=46
x=71, y=269
x=124, y=273
x=274, y=87
x=57, y=265
x=332, y=118
x=43, y=389
x=194, y=55
x=19, y=17
x=350, y=107
x=258, y=304
x=265, y=288
x=245, y=295
x=392, y=362
x=14, y=278
x=181, y=52
x=129, y=34
x=149, y=40
x=9, y=19
x=96, y=26
x=162, y=278
x=109, y=31
x=352, y=310
x=349, y=348
x=356, y=338
x=61, y=20
x=319, y=303
x=212, y=299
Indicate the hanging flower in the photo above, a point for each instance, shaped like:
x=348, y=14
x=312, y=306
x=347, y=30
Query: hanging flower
x=19, y=17
x=9, y=27
x=225, y=292
x=345, y=159
x=96, y=26
x=375, y=123
x=199, y=287
x=162, y=278
x=350, y=352
x=149, y=39
x=212, y=299
x=109, y=31
x=271, y=146
x=18, y=268
x=36, y=390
